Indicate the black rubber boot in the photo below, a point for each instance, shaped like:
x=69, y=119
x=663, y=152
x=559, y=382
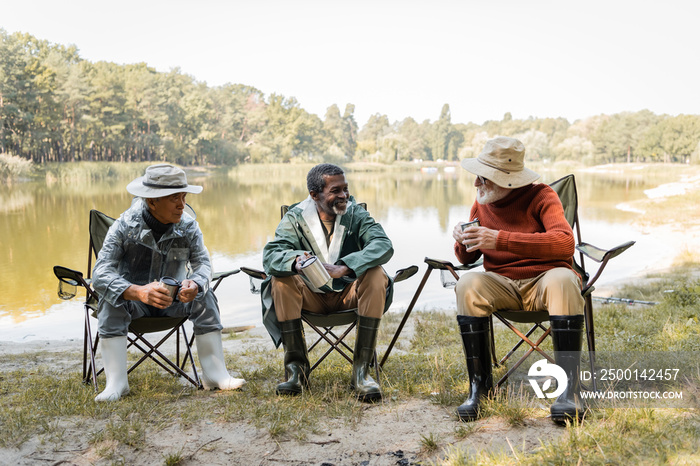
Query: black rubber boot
x=477, y=349
x=365, y=386
x=567, y=334
x=296, y=358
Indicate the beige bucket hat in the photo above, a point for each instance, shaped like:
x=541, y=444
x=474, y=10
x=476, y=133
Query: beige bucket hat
x=162, y=180
x=502, y=161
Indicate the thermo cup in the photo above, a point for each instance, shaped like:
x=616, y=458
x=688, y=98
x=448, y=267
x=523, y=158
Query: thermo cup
x=313, y=269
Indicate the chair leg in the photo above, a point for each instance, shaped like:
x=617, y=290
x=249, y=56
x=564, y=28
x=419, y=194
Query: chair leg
x=477, y=350
x=419, y=290
x=296, y=358
x=567, y=333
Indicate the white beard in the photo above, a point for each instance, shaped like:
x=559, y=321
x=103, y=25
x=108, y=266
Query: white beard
x=493, y=193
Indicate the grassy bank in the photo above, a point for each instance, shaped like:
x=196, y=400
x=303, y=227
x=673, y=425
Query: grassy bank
x=48, y=405
x=13, y=168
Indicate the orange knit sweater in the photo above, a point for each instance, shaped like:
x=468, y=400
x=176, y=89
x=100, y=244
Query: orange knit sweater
x=533, y=234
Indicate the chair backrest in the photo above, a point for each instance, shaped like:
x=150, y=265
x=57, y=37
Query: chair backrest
x=566, y=189
x=99, y=225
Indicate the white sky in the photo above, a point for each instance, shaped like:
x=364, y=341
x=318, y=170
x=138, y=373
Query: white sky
x=402, y=57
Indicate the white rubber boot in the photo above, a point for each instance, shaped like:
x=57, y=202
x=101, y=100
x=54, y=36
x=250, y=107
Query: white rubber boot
x=211, y=358
x=114, y=359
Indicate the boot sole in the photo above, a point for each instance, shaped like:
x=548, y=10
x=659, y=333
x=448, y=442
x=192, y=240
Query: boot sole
x=370, y=397
x=563, y=418
x=467, y=417
x=288, y=392
x=291, y=391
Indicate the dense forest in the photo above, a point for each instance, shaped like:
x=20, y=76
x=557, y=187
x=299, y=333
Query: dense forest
x=57, y=107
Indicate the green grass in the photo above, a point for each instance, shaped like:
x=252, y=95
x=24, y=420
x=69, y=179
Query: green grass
x=35, y=401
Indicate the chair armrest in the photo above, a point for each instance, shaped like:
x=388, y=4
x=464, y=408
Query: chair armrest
x=600, y=255
x=221, y=275
x=405, y=273
x=254, y=273
x=66, y=275
x=69, y=280
x=446, y=265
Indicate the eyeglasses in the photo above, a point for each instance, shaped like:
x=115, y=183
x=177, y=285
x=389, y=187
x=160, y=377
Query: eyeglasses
x=481, y=179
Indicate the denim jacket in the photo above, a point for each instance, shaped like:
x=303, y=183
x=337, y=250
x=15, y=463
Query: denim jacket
x=130, y=255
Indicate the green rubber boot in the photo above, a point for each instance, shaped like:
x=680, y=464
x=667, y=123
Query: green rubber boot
x=475, y=333
x=366, y=388
x=567, y=335
x=296, y=358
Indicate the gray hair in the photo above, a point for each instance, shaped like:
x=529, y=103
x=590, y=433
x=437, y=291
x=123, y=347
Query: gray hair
x=314, y=179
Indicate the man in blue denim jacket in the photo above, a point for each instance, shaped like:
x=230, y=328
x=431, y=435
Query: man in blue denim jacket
x=156, y=238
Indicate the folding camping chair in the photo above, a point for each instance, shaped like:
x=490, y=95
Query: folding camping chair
x=325, y=325
x=139, y=329
x=566, y=189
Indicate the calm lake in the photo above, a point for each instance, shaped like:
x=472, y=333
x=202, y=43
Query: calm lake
x=44, y=225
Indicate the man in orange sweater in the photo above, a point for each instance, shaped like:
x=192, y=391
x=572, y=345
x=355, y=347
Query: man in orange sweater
x=528, y=248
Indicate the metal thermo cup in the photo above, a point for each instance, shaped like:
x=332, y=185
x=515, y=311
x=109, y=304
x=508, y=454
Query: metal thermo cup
x=172, y=285
x=473, y=223
x=315, y=272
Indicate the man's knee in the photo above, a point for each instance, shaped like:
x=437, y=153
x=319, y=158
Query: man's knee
x=470, y=291
x=113, y=321
x=562, y=288
x=374, y=279
x=284, y=285
x=204, y=314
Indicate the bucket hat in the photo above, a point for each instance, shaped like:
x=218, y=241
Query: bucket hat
x=502, y=161
x=161, y=180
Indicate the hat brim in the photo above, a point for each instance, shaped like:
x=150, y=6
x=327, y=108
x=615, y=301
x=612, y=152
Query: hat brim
x=138, y=189
x=510, y=180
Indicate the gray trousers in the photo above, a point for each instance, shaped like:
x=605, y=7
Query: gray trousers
x=203, y=312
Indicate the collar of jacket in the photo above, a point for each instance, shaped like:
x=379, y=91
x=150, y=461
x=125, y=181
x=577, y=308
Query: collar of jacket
x=138, y=229
x=343, y=229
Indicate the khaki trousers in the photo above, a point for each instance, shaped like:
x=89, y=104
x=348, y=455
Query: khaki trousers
x=367, y=294
x=557, y=291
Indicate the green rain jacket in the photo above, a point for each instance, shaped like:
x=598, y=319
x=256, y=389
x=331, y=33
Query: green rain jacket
x=358, y=242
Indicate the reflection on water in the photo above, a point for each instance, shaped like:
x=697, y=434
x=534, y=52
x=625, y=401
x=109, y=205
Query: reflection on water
x=41, y=226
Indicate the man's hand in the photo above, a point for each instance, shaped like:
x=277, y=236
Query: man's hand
x=188, y=291
x=475, y=238
x=153, y=294
x=300, y=260
x=337, y=271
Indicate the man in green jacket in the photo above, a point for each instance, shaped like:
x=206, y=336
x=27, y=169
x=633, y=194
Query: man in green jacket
x=352, y=248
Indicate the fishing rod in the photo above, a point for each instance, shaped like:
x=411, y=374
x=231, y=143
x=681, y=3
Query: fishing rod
x=623, y=300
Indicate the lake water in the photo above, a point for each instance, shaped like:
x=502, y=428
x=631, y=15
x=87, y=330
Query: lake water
x=42, y=225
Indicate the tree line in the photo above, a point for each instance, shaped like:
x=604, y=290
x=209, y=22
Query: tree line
x=57, y=107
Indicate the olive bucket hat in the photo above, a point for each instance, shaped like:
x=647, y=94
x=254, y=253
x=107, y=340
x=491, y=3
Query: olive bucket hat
x=162, y=180
x=502, y=161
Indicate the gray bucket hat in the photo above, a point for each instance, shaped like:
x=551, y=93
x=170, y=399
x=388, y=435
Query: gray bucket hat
x=162, y=180
x=502, y=161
